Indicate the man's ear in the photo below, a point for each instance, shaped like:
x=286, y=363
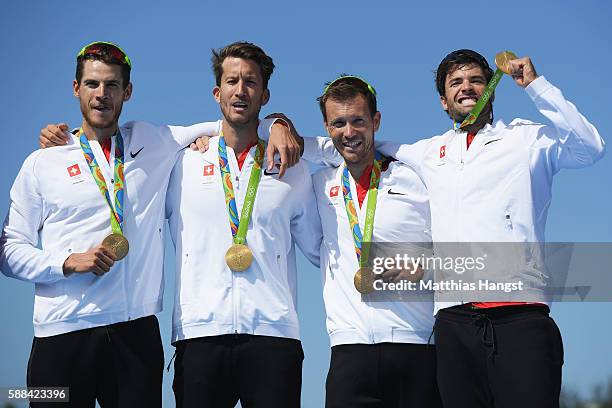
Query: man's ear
x=326, y=126
x=217, y=94
x=443, y=102
x=265, y=97
x=75, y=88
x=127, y=92
x=376, y=120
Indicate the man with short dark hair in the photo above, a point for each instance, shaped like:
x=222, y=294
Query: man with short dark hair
x=491, y=182
x=235, y=224
x=94, y=314
x=245, y=51
x=380, y=356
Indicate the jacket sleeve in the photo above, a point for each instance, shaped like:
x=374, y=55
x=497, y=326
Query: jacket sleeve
x=410, y=154
x=182, y=136
x=576, y=140
x=19, y=255
x=306, y=223
x=321, y=151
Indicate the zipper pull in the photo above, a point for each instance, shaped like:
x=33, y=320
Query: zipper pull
x=237, y=183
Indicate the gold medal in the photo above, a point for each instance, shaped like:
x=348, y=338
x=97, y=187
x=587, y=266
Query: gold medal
x=239, y=257
x=502, y=60
x=117, y=244
x=364, y=280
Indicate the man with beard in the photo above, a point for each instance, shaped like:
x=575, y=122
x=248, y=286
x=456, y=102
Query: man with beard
x=491, y=182
x=380, y=356
x=90, y=203
x=235, y=324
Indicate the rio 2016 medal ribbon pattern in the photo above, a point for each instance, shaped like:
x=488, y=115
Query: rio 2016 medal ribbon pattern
x=364, y=277
x=116, y=242
x=239, y=256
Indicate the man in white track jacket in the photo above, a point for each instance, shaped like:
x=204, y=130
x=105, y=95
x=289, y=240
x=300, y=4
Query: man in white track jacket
x=235, y=326
x=380, y=356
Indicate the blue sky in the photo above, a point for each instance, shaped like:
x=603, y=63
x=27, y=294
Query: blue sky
x=396, y=47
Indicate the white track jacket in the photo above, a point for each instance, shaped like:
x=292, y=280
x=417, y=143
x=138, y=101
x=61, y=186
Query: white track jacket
x=212, y=300
x=402, y=215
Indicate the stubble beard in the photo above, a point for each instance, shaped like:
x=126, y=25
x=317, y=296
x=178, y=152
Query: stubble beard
x=362, y=157
x=483, y=118
x=110, y=123
x=250, y=120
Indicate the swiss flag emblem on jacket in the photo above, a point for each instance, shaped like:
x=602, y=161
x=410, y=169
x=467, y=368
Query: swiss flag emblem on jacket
x=74, y=170
x=209, y=170
x=442, y=151
x=333, y=192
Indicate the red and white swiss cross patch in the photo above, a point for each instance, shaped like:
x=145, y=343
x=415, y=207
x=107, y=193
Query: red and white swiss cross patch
x=333, y=192
x=209, y=170
x=442, y=151
x=73, y=170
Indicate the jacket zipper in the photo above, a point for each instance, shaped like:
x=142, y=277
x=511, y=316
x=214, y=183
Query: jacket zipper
x=459, y=194
x=235, y=303
x=370, y=325
x=126, y=268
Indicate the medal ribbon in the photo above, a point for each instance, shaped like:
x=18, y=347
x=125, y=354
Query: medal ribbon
x=484, y=98
x=116, y=217
x=362, y=251
x=239, y=227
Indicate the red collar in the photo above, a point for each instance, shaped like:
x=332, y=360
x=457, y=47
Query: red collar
x=363, y=184
x=242, y=156
x=106, y=147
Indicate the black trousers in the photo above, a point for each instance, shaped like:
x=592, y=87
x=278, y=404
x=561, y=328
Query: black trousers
x=505, y=357
x=389, y=375
x=119, y=365
x=217, y=371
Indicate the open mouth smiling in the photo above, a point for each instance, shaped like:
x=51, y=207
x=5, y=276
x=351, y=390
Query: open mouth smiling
x=467, y=100
x=352, y=144
x=240, y=106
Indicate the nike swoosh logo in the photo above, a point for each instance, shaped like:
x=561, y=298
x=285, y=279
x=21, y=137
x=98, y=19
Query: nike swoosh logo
x=394, y=192
x=491, y=141
x=267, y=173
x=136, y=154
